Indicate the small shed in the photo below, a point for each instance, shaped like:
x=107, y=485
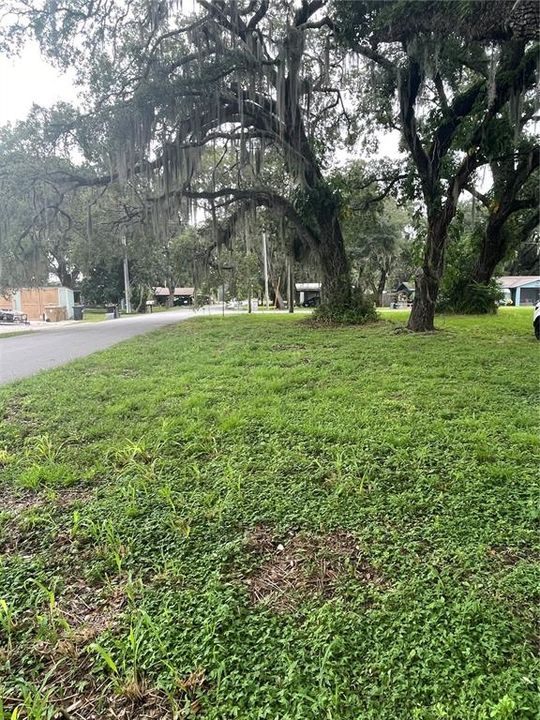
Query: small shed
x=521, y=289
x=42, y=303
x=308, y=293
x=182, y=295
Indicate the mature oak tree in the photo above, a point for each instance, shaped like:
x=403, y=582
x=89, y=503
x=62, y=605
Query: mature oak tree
x=451, y=68
x=165, y=86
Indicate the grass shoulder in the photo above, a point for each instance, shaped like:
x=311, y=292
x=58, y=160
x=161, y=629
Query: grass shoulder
x=14, y=333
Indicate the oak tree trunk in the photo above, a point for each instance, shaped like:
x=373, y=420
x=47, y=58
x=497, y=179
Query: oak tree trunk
x=380, y=287
x=143, y=296
x=428, y=277
x=335, y=270
x=493, y=251
x=66, y=277
x=329, y=247
x=278, y=299
x=290, y=286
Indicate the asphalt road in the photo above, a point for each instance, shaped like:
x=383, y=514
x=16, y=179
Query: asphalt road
x=43, y=349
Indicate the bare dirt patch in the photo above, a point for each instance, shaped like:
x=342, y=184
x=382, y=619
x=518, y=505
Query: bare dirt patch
x=90, y=611
x=512, y=556
x=77, y=694
x=15, y=412
x=69, y=496
x=80, y=615
x=17, y=502
x=21, y=535
x=301, y=565
x=80, y=696
x=14, y=504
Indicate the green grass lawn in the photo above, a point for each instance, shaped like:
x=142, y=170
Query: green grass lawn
x=252, y=518
x=94, y=314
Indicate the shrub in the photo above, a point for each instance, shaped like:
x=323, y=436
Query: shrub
x=468, y=298
x=459, y=293
x=359, y=311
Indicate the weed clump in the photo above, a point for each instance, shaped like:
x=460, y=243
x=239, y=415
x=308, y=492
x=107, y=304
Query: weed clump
x=470, y=298
x=358, y=311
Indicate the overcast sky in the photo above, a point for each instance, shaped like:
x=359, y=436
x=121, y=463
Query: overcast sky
x=29, y=79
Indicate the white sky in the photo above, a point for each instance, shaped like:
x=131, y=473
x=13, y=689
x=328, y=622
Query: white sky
x=29, y=79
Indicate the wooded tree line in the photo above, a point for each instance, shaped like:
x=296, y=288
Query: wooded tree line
x=228, y=115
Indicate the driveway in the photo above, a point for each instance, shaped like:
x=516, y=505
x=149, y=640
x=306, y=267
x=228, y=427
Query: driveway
x=28, y=354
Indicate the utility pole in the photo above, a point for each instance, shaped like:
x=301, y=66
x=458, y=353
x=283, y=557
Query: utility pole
x=266, y=296
x=126, y=276
x=290, y=286
x=224, y=267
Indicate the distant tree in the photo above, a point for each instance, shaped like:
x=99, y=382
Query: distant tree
x=507, y=217
x=458, y=292
x=103, y=284
x=374, y=227
x=30, y=221
x=527, y=257
x=48, y=227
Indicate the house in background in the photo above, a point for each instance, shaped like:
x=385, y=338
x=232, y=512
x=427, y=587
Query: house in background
x=521, y=289
x=182, y=295
x=401, y=297
x=42, y=303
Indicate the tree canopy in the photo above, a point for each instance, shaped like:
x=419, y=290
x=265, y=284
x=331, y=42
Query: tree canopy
x=211, y=111
x=444, y=74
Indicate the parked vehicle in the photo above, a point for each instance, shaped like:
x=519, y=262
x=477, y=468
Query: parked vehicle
x=536, y=320
x=312, y=302
x=12, y=316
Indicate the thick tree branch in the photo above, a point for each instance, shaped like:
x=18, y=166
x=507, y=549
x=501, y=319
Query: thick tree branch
x=484, y=199
x=410, y=80
x=262, y=197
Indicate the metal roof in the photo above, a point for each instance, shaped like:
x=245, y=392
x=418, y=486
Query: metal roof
x=404, y=286
x=515, y=281
x=177, y=291
x=304, y=287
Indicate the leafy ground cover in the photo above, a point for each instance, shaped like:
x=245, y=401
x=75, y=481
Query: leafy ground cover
x=255, y=518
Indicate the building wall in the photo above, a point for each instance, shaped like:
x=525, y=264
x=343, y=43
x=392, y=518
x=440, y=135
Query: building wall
x=34, y=302
x=529, y=296
x=9, y=302
x=66, y=299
